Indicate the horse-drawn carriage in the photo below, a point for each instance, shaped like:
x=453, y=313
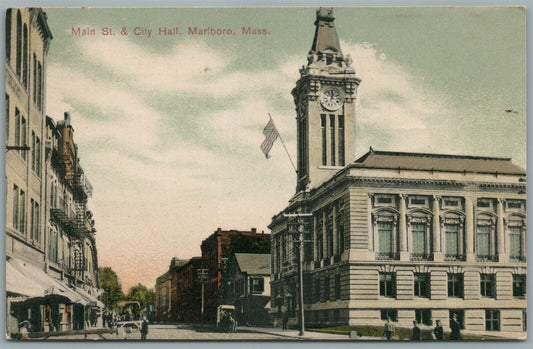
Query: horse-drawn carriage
x=226, y=320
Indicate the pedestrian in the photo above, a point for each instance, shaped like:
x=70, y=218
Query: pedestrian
x=416, y=332
x=438, y=331
x=144, y=329
x=24, y=328
x=389, y=329
x=285, y=320
x=456, y=329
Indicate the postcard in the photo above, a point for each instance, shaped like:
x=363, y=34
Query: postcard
x=328, y=173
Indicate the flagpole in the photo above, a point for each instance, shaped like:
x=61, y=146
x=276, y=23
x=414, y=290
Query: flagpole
x=284, y=146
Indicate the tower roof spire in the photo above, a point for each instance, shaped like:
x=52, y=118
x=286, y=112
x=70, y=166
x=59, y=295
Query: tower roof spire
x=325, y=34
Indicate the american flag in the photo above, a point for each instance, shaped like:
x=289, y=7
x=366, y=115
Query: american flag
x=271, y=134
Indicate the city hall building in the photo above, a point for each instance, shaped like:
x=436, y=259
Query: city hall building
x=405, y=236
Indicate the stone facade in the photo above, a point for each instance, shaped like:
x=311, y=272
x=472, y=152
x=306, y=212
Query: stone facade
x=406, y=236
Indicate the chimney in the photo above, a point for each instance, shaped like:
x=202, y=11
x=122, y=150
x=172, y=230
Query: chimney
x=67, y=118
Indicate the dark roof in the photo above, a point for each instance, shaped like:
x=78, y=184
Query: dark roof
x=253, y=263
x=437, y=162
x=325, y=34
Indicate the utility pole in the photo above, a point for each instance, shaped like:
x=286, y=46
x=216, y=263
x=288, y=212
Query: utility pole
x=300, y=223
x=202, y=276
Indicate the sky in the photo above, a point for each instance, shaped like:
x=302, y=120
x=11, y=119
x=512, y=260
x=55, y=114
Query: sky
x=169, y=127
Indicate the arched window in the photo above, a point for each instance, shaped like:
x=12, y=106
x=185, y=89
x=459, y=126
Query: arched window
x=515, y=227
x=385, y=234
x=452, y=228
x=486, y=237
x=19, y=44
x=419, y=227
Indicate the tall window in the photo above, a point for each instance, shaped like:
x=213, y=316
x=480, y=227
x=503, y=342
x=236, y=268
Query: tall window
x=418, y=233
x=387, y=285
x=17, y=126
x=452, y=240
x=327, y=287
x=515, y=241
x=53, y=246
x=39, y=84
x=492, y=320
x=421, y=285
x=487, y=285
x=7, y=118
x=32, y=218
x=519, y=285
x=423, y=316
x=18, y=40
x=25, y=58
x=483, y=240
x=317, y=290
x=341, y=140
x=22, y=215
x=34, y=79
x=385, y=238
x=337, y=286
x=319, y=237
x=324, y=143
x=455, y=285
x=16, y=218
x=8, y=35
x=23, y=137
x=332, y=136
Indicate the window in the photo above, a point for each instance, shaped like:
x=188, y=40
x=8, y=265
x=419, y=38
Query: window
x=387, y=285
x=389, y=314
x=418, y=201
x=421, y=286
x=257, y=285
x=326, y=289
x=384, y=200
x=339, y=225
x=53, y=246
x=341, y=140
x=484, y=203
x=487, y=285
x=418, y=233
x=451, y=233
x=23, y=137
x=455, y=285
x=8, y=35
x=25, y=58
x=492, y=320
x=39, y=84
x=515, y=241
x=484, y=240
x=332, y=136
x=337, y=286
x=18, y=40
x=385, y=238
x=16, y=218
x=514, y=204
x=519, y=285
x=7, y=119
x=22, y=215
x=317, y=290
x=423, y=316
x=324, y=144
x=17, y=127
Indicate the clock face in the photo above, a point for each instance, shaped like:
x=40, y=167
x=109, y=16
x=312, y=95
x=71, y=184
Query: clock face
x=331, y=99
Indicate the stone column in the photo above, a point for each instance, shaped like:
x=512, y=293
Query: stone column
x=404, y=254
x=469, y=230
x=500, y=232
x=437, y=250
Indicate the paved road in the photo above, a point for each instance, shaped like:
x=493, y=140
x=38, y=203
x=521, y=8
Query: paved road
x=177, y=332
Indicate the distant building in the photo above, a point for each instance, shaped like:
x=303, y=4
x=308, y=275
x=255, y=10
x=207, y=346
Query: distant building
x=166, y=292
x=188, y=292
x=246, y=285
x=406, y=236
x=51, y=258
x=216, y=252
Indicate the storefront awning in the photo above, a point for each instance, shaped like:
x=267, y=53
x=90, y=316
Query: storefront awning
x=28, y=280
x=91, y=299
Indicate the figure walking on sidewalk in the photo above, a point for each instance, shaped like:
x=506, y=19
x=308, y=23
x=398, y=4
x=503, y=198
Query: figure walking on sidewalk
x=144, y=329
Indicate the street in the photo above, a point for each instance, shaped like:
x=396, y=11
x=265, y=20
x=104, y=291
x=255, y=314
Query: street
x=181, y=332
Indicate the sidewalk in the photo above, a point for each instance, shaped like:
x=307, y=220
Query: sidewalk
x=293, y=334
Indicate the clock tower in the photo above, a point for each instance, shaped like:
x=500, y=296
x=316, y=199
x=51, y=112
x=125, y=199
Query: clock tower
x=325, y=106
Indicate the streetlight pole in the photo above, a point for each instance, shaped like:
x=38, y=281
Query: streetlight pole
x=300, y=217
x=202, y=276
